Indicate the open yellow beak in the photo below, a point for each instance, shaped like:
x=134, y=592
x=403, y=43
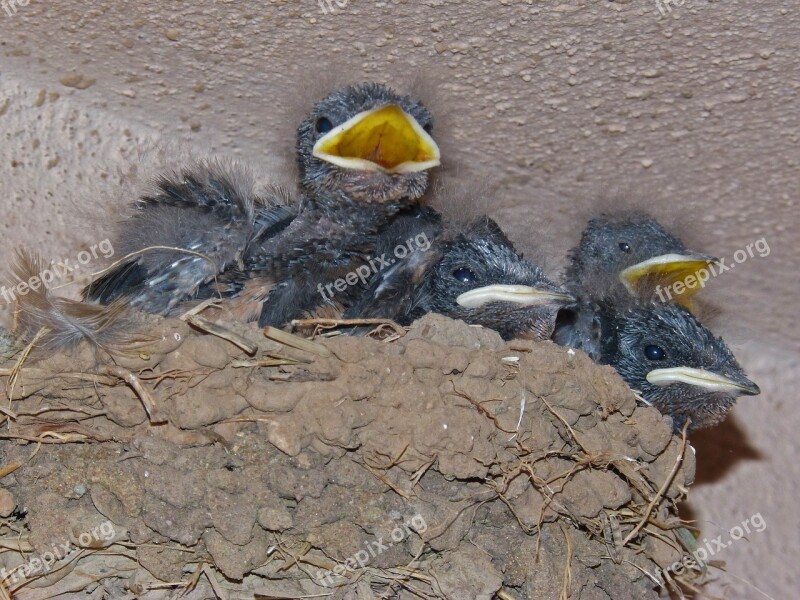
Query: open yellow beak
x=384, y=139
x=522, y=295
x=703, y=379
x=663, y=272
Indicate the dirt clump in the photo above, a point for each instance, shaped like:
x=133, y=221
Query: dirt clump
x=442, y=464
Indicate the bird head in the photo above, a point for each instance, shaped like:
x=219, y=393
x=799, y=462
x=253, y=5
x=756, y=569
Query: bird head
x=367, y=142
x=481, y=279
x=635, y=252
x=676, y=363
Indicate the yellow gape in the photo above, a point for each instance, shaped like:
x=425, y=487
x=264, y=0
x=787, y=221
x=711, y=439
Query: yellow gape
x=384, y=139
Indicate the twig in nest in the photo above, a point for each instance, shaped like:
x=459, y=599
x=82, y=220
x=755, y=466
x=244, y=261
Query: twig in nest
x=136, y=385
x=196, y=310
x=17, y=369
x=568, y=568
x=662, y=489
x=248, y=419
x=215, y=586
x=8, y=469
x=399, y=331
x=386, y=480
x=294, y=341
x=417, y=475
x=272, y=361
x=226, y=334
x=404, y=576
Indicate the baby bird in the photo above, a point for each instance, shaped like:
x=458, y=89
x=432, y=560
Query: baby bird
x=368, y=143
x=363, y=152
x=620, y=319
x=677, y=364
x=622, y=257
x=632, y=251
x=474, y=275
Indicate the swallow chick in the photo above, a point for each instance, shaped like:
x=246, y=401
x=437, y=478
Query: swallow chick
x=473, y=274
x=662, y=351
x=369, y=143
x=364, y=154
x=635, y=253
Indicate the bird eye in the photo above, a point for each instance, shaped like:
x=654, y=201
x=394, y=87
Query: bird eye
x=323, y=125
x=653, y=352
x=464, y=275
x=625, y=247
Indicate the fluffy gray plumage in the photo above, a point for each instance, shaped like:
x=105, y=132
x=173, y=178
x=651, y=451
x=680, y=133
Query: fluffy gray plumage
x=223, y=233
x=194, y=225
x=457, y=261
x=56, y=323
x=637, y=337
x=610, y=244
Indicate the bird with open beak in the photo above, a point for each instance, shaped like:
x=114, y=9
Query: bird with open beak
x=674, y=362
x=632, y=251
x=364, y=153
x=472, y=273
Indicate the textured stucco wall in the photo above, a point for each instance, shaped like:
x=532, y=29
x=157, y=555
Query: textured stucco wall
x=692, y=113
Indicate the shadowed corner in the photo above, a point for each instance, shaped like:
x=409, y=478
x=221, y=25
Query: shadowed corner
x=720, y=449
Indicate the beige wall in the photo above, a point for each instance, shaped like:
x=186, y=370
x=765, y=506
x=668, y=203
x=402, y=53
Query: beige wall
x=693, y=113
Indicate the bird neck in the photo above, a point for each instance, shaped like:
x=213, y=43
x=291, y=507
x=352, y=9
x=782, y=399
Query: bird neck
x=367, y=216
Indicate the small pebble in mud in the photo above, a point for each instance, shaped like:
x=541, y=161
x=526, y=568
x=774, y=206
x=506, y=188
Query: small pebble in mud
x=79, y=490
x=7, y=503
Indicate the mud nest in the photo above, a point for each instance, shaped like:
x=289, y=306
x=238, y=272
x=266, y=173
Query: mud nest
x=442, y=463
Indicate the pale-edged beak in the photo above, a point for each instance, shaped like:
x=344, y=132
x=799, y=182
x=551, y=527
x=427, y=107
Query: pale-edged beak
x=386, y=139
x=663, y=272
x=703, y=379
x=521, y=295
